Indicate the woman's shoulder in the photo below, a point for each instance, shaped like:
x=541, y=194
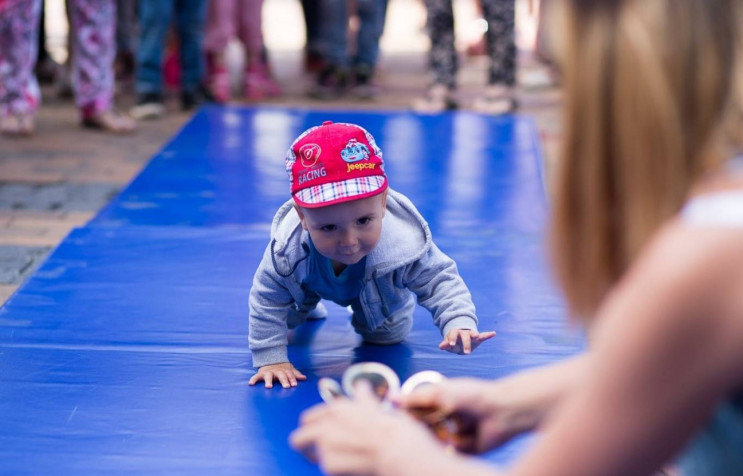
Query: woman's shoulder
x=697, y=253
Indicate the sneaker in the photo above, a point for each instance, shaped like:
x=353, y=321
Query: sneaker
x=363, y=87
x=149, y=106
x=439, y=98
x=319, y=312
x=259, y=84
x=197, y=97
x=497, y=100
x=331, y=83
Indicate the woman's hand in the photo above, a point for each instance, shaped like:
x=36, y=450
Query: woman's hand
x=358, y=436
x=483, y=417
x=285, y=372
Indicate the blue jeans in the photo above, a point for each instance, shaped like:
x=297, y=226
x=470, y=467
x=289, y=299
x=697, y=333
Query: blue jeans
x=334, y=22
x=155, y=18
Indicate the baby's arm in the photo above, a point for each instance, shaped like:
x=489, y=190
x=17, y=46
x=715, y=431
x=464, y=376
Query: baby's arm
x=464, y=341
x=270, y=303
x=436, y=282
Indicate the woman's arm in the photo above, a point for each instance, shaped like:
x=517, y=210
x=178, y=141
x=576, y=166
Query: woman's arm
x=505, y=407
x=666, y=351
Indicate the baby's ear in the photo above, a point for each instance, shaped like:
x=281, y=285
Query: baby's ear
x=301, y=215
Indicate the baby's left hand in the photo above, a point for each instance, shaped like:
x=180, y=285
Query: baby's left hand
x=464, y=341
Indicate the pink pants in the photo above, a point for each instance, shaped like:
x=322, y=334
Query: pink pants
x=228, y=19
x=94, y=48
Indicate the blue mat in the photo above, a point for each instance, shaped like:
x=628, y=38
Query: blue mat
x=127, y=350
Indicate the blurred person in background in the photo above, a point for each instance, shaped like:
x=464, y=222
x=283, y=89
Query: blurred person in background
x=227, y=20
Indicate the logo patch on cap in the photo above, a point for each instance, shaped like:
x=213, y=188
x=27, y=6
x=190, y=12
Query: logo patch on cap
x=308, y=154
x=354, y=151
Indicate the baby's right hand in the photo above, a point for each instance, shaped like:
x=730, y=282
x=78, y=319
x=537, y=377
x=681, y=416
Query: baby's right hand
x=284, y=372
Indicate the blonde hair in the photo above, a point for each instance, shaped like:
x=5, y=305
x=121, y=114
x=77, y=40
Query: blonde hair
x=651, y=103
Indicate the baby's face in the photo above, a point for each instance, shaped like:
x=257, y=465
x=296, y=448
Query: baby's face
x=348, y=231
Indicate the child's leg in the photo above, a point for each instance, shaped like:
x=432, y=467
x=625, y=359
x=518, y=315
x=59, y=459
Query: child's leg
x=19, y=90
x=392, y=330
x=220, y=29
x=258, y=80
x=442, y=58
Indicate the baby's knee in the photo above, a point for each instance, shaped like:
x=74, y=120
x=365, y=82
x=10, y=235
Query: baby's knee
x=392, y=331
x=382, y=340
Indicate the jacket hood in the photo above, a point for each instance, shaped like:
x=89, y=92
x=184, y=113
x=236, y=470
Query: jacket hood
x=405, y=238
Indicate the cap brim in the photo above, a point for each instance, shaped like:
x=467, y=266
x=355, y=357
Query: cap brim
x=339, y=192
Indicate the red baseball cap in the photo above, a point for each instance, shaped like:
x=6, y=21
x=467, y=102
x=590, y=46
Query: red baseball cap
x=334, y=163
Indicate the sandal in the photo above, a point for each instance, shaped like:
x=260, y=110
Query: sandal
x=110, y=121
x=439, y=98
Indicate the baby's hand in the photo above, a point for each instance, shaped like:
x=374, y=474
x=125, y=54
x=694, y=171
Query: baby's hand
x=285, y=372
x=464, y=341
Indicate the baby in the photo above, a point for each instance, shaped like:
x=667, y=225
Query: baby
x=345, y=236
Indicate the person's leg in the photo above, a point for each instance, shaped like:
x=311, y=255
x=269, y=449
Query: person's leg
x=154, y=21
x=314, y=56
x=258, y=81
x=335, y=23
x=221, y=19
x=94, y=37
x=332, y=80
x=191, y=17
x=126, y=25
x=19, y=90
x=499, y=95
x=371, y=16
x=442, y=58
x=126, y=35
x=92, y=23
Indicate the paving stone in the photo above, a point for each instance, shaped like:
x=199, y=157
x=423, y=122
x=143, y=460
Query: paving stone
x=56, y=196
x=17, y=262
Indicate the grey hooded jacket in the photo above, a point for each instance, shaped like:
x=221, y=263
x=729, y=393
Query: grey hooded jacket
x=405, y=261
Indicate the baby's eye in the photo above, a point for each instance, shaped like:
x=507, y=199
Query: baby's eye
x=328, y=228
x=364, y=221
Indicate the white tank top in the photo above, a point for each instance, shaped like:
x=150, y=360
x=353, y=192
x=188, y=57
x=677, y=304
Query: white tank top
x=723, y=208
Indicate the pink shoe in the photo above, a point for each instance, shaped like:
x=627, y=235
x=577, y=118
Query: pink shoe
x=219, y=83
x=259, y=84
